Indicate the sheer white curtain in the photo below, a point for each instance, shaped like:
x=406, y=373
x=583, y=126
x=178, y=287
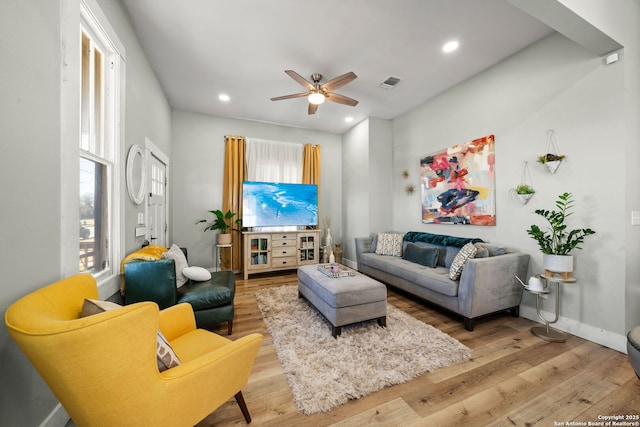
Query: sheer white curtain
x=274, y=161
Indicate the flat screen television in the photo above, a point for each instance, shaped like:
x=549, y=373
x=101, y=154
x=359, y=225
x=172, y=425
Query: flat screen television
x=271, y=204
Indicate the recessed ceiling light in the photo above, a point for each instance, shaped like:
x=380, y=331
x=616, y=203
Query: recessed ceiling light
x=450, y=46
x=223, y=97
x=348, y=119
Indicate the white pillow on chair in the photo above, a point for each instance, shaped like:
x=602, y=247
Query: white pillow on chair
x=197, y=274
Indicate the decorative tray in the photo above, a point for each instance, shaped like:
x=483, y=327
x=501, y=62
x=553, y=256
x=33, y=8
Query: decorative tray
x=342, y=271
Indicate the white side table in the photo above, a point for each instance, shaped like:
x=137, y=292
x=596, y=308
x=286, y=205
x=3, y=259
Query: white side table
x=219, y=248
x=546, y=332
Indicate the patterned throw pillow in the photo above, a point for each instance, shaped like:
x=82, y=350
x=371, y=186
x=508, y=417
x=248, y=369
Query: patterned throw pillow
x=468, y=251
x=389, y=244
x=165, y=356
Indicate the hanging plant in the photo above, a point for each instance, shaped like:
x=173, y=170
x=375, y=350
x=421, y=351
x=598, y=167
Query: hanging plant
x=553, y=158
x=524, y=191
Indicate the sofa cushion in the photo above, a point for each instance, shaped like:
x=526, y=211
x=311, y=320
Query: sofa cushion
x=389, y=244
x=435, y=279
x=452, y=252
x=483, y=252
x=176, y=254
x=494, y=250
x=218, y=291
x=421, y=255
x=468, y=251
x=165, y=356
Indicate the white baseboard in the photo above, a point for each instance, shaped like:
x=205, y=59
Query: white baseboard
x=599, y=336
x=57, y=418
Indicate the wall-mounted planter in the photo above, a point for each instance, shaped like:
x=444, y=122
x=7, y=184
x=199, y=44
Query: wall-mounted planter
x=553, y=158
x=524, y=198
x=552, y=166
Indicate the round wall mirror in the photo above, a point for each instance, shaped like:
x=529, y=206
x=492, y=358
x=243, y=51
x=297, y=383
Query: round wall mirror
x=136, y=174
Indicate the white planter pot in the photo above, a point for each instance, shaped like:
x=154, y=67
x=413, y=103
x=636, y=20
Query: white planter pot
x=552, y=166
x=561, y=265
x=524, y=198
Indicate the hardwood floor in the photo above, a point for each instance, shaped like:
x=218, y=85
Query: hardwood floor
x=513, y=379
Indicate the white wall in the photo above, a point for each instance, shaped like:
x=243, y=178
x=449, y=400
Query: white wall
x=30, y=170
x=553, y=84
x=367, y=182
x=197, y=163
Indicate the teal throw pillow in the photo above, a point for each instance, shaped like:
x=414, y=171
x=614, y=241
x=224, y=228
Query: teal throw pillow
x=421, y=255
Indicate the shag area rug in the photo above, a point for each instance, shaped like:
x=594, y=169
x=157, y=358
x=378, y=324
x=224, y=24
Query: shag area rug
x=325, y=372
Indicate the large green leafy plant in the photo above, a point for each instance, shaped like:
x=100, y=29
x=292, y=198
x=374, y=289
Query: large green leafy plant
x=556, y=240
x=222, y=221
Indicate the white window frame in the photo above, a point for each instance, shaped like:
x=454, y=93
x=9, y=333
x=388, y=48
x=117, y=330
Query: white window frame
x=88, y=13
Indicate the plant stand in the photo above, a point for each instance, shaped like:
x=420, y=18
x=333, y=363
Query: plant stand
x=546, y=332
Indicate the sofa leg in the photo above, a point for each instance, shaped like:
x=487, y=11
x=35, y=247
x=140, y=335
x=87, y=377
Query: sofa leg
x=468, y=324
x=229, y=326
x=515, y=311
x=243, y=407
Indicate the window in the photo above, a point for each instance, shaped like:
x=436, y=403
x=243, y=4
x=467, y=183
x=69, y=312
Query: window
x=96, y=159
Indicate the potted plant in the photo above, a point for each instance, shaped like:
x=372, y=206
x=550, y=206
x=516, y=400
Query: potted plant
x=551, y=161
x=223, y=222
x=523, y=192
x=556, y=242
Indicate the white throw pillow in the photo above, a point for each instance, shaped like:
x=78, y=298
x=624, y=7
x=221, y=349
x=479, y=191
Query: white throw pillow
x=176, y=254
x=197, y=274
x=389, y=244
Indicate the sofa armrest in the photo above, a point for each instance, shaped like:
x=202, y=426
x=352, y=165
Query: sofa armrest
x=151, y=281
x=363, y=245
x=489, y=284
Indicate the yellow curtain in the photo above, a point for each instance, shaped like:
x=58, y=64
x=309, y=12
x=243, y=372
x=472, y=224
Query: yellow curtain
x=311, y=165
x=235, y=171
x=311, y=168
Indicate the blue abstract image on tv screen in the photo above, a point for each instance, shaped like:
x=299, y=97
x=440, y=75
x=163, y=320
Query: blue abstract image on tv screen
x=270, y=204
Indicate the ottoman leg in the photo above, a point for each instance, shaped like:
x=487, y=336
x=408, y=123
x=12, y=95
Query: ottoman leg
x=382, y=321
x=335, y=331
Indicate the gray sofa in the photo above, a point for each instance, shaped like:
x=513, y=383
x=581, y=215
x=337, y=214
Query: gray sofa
x=486, y=285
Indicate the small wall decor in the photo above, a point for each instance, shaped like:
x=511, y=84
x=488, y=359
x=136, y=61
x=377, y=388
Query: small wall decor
x=458, y=184
x=524, y=190
x=553, y=158
x=405, y=174
x=410, y=189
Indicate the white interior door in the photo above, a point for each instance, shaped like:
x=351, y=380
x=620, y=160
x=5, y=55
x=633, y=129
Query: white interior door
x=157, y=200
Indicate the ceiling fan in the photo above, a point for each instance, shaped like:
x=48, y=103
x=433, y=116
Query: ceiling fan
x=318, y=93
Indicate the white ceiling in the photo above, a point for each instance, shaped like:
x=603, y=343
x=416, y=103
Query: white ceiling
x=202, y=48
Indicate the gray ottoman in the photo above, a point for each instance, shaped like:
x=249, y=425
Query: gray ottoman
x=343, y=300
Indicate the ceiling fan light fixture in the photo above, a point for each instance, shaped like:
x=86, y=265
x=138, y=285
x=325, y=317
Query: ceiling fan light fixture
x=316, y=97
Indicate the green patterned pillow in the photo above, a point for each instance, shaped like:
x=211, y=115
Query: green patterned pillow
x=389, y=244
x=165, y=356
x=468, y=251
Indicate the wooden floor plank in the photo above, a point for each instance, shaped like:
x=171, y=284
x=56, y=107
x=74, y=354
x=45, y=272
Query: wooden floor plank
x=513, y=379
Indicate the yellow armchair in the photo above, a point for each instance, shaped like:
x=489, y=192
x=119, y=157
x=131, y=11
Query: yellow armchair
x=103, y=367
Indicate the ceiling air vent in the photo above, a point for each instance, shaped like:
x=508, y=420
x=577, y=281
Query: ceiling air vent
x=390, y=82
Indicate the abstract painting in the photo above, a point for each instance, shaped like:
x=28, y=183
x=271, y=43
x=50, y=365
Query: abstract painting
x=458, y=184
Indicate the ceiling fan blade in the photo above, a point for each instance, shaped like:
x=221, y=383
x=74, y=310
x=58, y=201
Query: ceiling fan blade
x=313, y=108
x=297, y=77
x=295, y=95
x=341, y=99
x=339, y=81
